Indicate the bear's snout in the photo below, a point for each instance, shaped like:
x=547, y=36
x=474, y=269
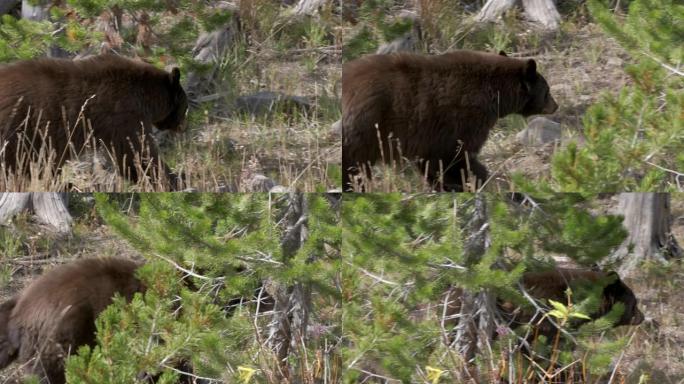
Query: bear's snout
x=551, y=106
x=638, y=317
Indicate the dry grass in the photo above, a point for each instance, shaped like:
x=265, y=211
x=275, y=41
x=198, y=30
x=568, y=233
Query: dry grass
x=86, y=168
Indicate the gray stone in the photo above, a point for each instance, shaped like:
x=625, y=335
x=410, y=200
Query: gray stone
x=615, y=61
x=539, y=131
x=336, y=129
x=260, y=183
x=279, y=189
x=266, y=103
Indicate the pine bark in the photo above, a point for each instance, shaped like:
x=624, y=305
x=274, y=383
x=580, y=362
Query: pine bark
x=476, y=324
x=648, y=221
x=292, y=303
x=40, y=10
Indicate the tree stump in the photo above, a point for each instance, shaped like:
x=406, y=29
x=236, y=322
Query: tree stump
x=648, y=221
x=211, y=48
x=476, y=320
x=539, y=11
x=309, y=7
x=48, y=207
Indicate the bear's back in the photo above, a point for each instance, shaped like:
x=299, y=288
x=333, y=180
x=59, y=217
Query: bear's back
x=88, y=283
x=422, y=87
x=54, y=86
x=462, y=63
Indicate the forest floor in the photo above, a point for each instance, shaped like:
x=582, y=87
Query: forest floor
x=295, y=150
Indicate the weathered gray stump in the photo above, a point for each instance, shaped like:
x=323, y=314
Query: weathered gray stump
x=540, y=11
x=648, y=221
x=49, y=208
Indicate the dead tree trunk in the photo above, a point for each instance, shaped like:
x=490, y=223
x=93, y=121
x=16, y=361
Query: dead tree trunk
x=648, y=221
x=540, y=11
x=293, y=303
x=49, y=208
x=40, y=10
x=211, y=49
x=309, y=7
x=31, y=10
x=476, y=324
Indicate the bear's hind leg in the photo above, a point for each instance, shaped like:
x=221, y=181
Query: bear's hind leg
x=440, y=179
x=473, y=173
x=457, y=174
x=351, y=173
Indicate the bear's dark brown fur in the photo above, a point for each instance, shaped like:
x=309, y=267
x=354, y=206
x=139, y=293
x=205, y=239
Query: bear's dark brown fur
x=434, y=109
x=121, y=99
x=552, y=285
x=56, y=313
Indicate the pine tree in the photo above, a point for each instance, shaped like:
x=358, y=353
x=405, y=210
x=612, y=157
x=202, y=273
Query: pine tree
x=634, y=139
x=227, y=246
x=153, y=29
x=403, y=253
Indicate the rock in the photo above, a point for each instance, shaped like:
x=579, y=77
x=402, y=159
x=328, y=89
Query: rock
x=309, y=7
x=266, y=103
x=336, y=129
x=539, y=131
x=260, y=183
x=615, y=61
x=279, y=189
x=405, y=43
x=209, y=49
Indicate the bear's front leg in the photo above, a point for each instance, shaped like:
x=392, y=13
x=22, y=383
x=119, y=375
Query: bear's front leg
x=469, y=173
x=351, y=174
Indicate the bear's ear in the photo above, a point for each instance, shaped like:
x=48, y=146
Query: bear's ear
x=502, y=53
x=530, y=70
x=175, y=76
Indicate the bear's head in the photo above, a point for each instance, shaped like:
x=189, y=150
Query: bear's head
x=178, y=104
x=618, y=292
x=538, y=99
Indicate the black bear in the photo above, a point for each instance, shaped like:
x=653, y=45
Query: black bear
x=552, y=284
x=56, y=313
x=437, y=110
x=60, y=105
